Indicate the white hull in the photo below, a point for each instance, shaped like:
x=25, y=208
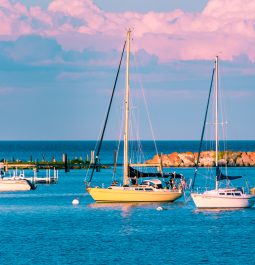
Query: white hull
x=14, y=185
x=213, y=199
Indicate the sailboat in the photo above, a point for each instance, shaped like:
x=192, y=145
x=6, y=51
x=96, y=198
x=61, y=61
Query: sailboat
x=227, y=197
x=15, y=183
x=151, y=189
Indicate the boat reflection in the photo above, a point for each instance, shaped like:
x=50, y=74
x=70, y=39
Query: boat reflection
x=219, y=210
x=126, y=208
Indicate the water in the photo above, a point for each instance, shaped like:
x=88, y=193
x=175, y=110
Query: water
x=43, y=227
x=37, y=150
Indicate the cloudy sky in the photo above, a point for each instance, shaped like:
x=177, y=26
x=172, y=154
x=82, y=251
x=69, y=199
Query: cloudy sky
x=58, y=61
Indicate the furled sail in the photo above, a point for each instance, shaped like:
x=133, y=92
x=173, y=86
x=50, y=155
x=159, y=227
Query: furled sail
x=138, y=174
x=221, y=176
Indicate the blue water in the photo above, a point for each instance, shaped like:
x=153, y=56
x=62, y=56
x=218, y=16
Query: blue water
x=43, y=227
x=37, y=150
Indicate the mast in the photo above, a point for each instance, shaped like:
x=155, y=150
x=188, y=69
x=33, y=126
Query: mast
x=106, y=119
x=126, y=164
x=203, y=130
x=216, y=117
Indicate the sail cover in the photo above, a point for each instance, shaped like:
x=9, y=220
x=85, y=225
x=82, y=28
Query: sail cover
x=138, y=174
x=221, y=176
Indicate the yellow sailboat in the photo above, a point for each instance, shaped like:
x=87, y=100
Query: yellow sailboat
x=151, y=189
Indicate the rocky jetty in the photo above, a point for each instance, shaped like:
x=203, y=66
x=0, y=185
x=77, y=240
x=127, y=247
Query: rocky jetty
x=207, y=159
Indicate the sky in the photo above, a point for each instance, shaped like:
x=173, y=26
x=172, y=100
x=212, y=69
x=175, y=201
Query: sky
x=58, y=62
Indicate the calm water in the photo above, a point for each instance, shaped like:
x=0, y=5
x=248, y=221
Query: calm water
x=24, y=150
x=43, y=227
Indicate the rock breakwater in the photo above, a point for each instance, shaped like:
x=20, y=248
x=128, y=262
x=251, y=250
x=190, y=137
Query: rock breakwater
x=207, y=159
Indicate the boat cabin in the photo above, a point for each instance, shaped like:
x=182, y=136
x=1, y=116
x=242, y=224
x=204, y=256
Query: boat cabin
x=231, y=192
x=155, y=183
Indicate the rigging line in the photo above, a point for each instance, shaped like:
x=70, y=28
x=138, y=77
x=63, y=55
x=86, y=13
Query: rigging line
x=149, y=119
x=146, y=107
x=202, y=134
x=95, y=148
x=134, y=126
x=106, y=119
x=136, y=143
x=223, y=126
x=119, y=138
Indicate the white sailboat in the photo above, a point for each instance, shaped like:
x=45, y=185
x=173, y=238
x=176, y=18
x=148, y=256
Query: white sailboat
x=227, y=197
x=150, y=190
x=15, y=182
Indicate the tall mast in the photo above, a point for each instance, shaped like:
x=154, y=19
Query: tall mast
x=216, y=116
x=126, y=164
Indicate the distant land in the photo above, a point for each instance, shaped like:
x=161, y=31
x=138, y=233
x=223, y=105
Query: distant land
x=207, y=159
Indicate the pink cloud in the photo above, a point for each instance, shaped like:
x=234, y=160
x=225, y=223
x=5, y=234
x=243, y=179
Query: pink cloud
x=236, y=9
x=6, y=28
x=37, y=13
x=225, y=27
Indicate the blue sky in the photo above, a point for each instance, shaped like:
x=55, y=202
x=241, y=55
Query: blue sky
x=133, y=5
x=58, y=63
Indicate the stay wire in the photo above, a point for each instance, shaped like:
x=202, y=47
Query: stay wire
x=203, y=130
x=107, y=116
x=146, y=106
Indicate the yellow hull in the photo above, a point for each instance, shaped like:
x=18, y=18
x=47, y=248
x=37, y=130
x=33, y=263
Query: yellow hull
x=130, y=195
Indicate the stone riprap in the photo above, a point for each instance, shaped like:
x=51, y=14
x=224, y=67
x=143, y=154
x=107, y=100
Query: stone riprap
x=207, y=159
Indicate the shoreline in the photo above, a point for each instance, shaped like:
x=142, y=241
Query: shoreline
x=207, y=159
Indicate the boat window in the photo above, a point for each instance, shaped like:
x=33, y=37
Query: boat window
x=237, y=194
x=240, y=189
x=222, y=193
x=229, y=194
x=148, y=189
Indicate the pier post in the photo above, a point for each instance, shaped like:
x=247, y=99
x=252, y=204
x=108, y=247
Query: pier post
x=66, y=163
x=54, y=175
x=87, y=159
x=35, y=174
x=5, y=166
x=37, y=166
x=92, y=157
x=48, y=176
x=98, y=164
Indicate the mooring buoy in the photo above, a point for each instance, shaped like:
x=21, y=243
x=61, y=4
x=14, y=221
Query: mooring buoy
x=75, y=202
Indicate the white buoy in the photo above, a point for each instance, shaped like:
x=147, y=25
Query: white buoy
x=75, y=202
x=159, y=208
